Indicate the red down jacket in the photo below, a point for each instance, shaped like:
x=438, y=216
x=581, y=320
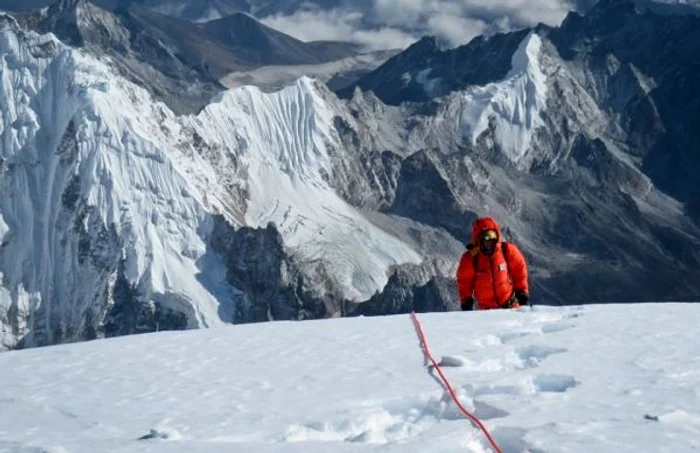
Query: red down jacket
x=492, y=281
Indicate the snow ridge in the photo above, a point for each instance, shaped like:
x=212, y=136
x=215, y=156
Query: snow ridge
x=288, y=135
x=513, y=105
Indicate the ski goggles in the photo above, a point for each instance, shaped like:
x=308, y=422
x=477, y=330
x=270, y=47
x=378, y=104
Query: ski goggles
x=489, y=235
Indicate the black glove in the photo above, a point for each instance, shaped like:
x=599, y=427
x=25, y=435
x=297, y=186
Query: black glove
x=467, y=304
x=522, y=297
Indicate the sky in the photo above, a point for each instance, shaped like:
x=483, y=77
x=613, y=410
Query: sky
x=594, y=378
x=392, y=24
x=387, y=24
x=398, y=23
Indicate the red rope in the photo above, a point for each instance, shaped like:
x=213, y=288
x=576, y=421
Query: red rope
x=446, y=383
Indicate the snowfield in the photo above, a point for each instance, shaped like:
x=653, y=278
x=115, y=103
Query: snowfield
x=613, y=378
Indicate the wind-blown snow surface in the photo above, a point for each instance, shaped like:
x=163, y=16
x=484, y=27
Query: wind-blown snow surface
x=576, y=379
x=99, y=182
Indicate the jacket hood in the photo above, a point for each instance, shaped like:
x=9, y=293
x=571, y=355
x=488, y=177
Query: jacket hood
x=482, y=224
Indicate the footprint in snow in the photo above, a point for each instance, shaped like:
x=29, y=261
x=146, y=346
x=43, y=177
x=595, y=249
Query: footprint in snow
x=454, y=361
x=486, y=366
x=678, y=417
x=512, y=336
x=552, y=324
x=487, y=341
x=544, y=383
x=485, y=411
x=391, y=422
x=532, y=355
x=561, y=314
x=513, y=440
x=554, y=383
x=556, y=327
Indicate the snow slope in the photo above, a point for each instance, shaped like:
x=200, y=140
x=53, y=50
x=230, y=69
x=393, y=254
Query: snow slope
x=606, y=378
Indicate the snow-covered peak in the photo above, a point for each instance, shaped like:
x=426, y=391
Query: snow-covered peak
x=254, y=113
x=284, y=142
x=7, y=21
x=104, y=189
x=526, y=58
x=69, y=11
x=513, y=105
x=93, y=194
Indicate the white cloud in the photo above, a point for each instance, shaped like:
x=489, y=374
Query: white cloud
x=455, y=30
x=316, y=25
x=383, y=38
x=397, y=23
x=521, y=13
x=339, y=25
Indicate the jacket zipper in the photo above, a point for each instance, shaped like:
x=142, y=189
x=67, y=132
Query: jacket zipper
x=493, y=281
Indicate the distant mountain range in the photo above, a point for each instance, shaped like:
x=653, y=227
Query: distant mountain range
x=183, y=9
x=131, y=200
x=180, y=62
x=196, y=10
x=371, y=15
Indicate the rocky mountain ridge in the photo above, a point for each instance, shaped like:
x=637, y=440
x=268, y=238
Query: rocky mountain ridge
x=120, y=216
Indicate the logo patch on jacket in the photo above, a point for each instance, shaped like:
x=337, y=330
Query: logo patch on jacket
x=502, y=267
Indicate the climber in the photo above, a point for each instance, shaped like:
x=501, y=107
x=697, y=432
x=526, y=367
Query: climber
x=492, y=272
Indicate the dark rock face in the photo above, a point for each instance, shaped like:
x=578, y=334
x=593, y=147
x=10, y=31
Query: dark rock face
x=196, y=10
x=583, y=204
x=255, y=44
x=363, y=176
x=402, y=294
x=664, y=123
x=271, y=284
x=154, y=51
x=129, y=315
x=425, y=193
x=477, y=63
